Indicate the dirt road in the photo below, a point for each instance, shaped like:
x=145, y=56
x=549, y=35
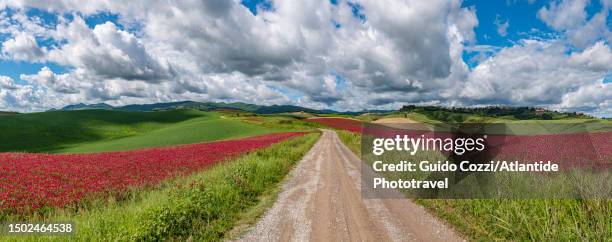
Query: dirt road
x=321, y=201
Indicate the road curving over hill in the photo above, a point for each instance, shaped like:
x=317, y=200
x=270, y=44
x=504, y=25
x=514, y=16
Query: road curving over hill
x=321, y=201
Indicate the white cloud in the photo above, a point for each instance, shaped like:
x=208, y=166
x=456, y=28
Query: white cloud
x=63, y=83
x=597, y=58
x=594, y=98
x=296, y=47
x=108, y=52
x=563, y=15
x=227, y=37
x=23, y=47
x=537, y=73
x=17, y=97
x=594, y=30
x=7, y=83
x=399, y=51
x=570, y=17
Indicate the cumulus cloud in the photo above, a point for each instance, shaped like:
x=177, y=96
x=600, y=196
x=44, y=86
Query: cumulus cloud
x=595, y=98
x=570, y=17
x=386, y=64
x=300, y=43
x=227, y=37
x=528, y=73
x=298, y=46
x=350, y=55
x=596, y=29
x=62, y=83
x=6, y=83
x=565, y=14
x=14, y=96
x=108, y=52
x=23, y=47
x=596, y=58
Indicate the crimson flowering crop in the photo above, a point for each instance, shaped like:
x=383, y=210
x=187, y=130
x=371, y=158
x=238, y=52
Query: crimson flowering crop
x=569, y=150
x=578, y=150
x=352, y=125
x=30, y=181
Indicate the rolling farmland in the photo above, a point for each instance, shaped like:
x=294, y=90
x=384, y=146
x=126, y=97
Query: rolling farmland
x=33, y=181
x=112, y=172
x=340, y=123
x=531, y=219
x=149, y=176
x=86, y=131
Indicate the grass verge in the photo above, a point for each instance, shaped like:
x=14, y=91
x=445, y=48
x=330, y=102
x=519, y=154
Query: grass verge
x=351, y=140
x=518, y=219
x=202, y=206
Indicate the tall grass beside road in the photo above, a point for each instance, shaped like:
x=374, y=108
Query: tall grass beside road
x=203, y=206
x=518, y=219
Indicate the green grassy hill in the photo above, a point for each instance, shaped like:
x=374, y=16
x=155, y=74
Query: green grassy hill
x=85, y=131
x=7, y=113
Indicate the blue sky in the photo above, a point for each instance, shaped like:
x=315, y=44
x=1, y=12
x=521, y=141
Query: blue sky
x=144, y=52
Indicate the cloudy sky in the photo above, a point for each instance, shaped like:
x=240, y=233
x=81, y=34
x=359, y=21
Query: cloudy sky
x=345, y=55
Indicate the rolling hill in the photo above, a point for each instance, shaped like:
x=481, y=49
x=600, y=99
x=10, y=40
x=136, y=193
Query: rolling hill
x=7, y=113
x=210, y=106
x=83, y=131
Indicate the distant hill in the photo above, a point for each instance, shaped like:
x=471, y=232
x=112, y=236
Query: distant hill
x=209, y=106
x=82, y=106
x=8, y=113
x=461, y=114
x=288, y=109
x=158, y=106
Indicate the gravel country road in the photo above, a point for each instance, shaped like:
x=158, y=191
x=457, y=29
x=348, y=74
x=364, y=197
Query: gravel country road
x=321, y=201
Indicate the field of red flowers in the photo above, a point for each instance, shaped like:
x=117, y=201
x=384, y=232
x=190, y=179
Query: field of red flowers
x=580, y=150
x=351, y=125
x=31, y=181
x=592, y=150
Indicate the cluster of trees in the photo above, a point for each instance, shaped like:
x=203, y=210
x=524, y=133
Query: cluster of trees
x=459, y=114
